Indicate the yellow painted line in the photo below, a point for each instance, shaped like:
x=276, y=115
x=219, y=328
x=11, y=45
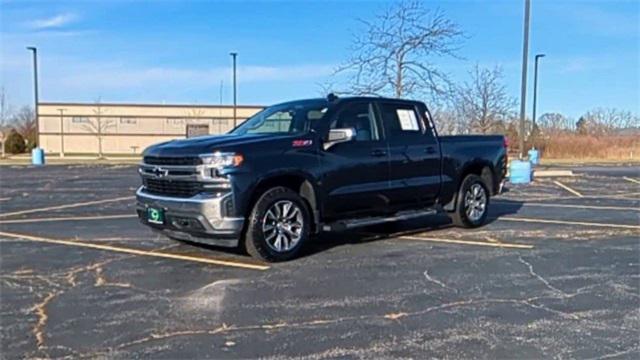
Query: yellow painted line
x=562, y=222
x=71, y=218
x=467, y=242
x=136, y=251
x=67, y=206
x=570, y=206
x=567, y=188
x=631, y=179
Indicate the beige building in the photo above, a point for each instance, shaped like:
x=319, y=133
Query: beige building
x=77, y=128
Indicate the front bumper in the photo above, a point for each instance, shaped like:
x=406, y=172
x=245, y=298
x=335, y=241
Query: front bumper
x=200, y=218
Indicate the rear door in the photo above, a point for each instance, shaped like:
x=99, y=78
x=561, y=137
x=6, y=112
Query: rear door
x=355, y=179
x=414, y=154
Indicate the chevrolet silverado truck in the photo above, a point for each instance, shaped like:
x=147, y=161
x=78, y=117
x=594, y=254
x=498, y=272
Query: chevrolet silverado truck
x=299, y=168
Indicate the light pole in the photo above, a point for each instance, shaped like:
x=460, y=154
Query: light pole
x=61, y=132
x=535, y=86
x=234, y=55
x=34, y=50
x=523, y=84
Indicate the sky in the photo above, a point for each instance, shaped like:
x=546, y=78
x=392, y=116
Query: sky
x=178, y=51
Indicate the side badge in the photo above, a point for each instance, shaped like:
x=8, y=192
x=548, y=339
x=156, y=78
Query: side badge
x=302, y=143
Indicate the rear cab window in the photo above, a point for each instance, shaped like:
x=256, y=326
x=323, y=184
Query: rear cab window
x=404, y=122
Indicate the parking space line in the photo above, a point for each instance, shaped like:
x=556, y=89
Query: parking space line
x=5, y=199
x=574, y=192
x=70, y=218
x=591, y=207
x=67, y=206
x=562, y=222
x=631, y=179
x=624, y=196
x=467, y=242
x=137, y=251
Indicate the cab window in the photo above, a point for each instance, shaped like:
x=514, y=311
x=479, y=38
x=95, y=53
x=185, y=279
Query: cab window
x=361, y=117
x=403, y=123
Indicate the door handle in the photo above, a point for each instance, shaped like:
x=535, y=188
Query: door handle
x=378, y=152
x=430, y=150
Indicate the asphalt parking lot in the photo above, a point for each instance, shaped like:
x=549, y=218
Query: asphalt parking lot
x=555, y=274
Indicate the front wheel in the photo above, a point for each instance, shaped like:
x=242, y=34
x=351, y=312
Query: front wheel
x=278, y=227
x=472, y=204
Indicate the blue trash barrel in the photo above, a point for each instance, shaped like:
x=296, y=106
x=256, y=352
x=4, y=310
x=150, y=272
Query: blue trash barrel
x=37, y=156
x=520, y=172
x=534, y=156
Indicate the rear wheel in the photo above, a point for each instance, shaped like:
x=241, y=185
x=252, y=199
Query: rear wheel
x=472, y=203
x=279, y=225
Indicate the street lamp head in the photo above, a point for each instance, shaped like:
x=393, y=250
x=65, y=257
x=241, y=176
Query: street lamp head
x=540, y=55
x=32, y=48
x=233, y=53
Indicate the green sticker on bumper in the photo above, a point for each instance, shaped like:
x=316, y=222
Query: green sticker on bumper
x=155, y=216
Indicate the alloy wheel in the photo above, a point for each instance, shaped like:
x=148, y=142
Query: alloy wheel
x=282, y=225
x=475, y=202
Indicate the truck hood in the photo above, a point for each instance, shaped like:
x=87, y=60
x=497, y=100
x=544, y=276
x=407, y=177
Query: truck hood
x=210, y=144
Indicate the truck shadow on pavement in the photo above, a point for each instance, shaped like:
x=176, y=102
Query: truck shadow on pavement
x=329, y=240
x=441, y=221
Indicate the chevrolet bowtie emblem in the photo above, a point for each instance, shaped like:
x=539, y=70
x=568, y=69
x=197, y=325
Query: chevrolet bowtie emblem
x=159, y=172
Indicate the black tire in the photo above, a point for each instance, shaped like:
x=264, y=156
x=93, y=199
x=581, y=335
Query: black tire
x=461, y=217
x=255, y=237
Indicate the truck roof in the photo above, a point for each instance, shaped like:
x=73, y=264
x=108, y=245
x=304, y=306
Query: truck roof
x=338, y=100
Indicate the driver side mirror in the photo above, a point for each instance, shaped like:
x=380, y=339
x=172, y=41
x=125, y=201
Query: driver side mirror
x=337, y=136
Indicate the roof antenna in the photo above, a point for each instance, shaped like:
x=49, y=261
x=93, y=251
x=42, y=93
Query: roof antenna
x=332, y=97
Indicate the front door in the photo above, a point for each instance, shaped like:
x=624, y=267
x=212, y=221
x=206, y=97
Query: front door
x=356, y=173
x=414, y=155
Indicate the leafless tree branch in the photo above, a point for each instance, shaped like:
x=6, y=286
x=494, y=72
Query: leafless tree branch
x=392, y=56
x=483, y=102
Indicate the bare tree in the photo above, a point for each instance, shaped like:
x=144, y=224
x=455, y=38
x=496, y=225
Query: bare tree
x=447, y=121
x=483, y=103
x=608, y=120
x=394, y=54
x=25, y=123
x=98, y=125
x=327, y=87
x=554, y=123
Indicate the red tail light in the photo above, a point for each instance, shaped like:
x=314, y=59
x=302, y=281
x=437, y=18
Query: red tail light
x=506, y=142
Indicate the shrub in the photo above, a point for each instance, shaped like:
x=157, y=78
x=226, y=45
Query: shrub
x=573, y=146
x=14, y=143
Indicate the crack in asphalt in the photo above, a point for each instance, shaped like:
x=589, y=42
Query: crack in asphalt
x=436, y=281
x=70, y=278
x=224, y=328
x=542, y=279
x=41, y=313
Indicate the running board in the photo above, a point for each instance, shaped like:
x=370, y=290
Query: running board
x=360, y=222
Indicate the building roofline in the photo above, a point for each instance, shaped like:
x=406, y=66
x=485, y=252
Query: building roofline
x=51, y=103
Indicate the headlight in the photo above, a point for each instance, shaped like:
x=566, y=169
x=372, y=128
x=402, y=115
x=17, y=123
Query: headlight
x=221, y=160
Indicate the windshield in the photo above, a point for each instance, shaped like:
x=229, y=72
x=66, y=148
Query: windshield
x=289, y=118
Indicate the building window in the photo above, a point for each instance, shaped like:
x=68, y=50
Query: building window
x=128, y=121
x=80, y=120
x=175, y=121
